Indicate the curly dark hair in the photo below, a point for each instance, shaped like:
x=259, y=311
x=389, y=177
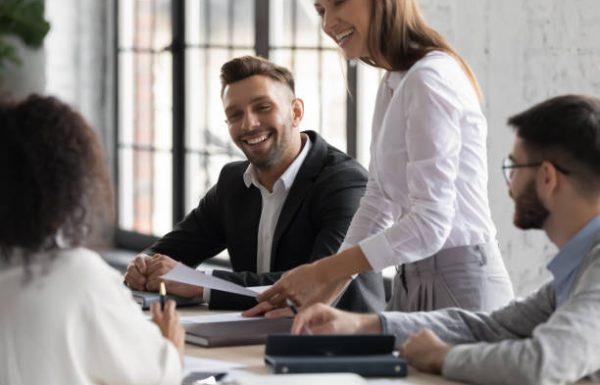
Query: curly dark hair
x=53, y=176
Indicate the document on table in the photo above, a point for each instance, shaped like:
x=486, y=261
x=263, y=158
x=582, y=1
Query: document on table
x=195, y=364
x=220, y=317
x=247, y=378
x=182, y=273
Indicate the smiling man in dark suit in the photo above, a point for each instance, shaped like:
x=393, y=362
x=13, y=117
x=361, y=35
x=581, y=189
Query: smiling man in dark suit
x=289, y=203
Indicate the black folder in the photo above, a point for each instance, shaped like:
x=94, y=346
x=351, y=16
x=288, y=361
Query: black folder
x=366, y=355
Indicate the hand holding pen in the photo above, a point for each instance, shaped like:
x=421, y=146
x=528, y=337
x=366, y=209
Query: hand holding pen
x=163, y=294
x=166, y=318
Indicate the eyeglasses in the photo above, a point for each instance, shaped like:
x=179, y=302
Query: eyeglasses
x=509, y=166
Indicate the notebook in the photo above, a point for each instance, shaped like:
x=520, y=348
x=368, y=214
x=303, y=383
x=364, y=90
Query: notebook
x=251, y=331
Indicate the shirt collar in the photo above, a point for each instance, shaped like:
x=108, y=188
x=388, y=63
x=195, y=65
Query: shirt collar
x=569, y=258
x=289, y=175
x=393, y=79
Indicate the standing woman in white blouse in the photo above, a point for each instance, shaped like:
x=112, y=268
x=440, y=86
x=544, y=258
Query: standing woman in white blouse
x=426, y=208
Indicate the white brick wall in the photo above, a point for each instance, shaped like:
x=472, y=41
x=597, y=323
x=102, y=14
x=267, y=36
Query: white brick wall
x=20, y=80
x=77, y=55
x=79, y=60
x=523, y=51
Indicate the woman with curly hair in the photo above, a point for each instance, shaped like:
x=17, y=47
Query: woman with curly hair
x=66, y=318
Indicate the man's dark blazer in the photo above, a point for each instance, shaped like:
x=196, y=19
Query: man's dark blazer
x=313, y=222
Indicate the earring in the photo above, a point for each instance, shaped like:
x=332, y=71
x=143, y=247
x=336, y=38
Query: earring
x=60, y=240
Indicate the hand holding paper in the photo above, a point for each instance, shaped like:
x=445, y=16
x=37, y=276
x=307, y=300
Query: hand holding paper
x=184, y=274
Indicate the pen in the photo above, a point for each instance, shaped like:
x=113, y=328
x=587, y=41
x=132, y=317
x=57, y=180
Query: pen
x=305, y=329
x=292, y=306
x=163, y=293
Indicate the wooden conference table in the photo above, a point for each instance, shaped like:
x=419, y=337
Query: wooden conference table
x=252, y=356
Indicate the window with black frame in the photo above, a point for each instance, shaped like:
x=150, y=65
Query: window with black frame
x=168, y=56
x=144, y=140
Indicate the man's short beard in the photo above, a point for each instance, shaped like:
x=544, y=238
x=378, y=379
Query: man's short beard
x=530, y=212
x=268, y=161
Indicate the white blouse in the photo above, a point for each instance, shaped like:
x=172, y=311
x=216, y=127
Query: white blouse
x=427, y=187
x=75, y=323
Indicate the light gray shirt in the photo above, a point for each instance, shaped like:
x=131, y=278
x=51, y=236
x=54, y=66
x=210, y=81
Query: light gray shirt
x=530, y=341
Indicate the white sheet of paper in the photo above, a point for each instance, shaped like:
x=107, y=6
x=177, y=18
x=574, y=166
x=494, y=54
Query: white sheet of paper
x=182, y=273
x=221, y=317
x=398, y=381
x=258, y=289
x=247, y=378
x=195, y=364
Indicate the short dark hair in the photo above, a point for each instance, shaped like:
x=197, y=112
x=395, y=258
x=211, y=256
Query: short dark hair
x=565, y=130
x=53, y=176
x=245, y=66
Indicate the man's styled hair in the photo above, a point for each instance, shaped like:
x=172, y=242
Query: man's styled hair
x=245, y=66
x=54, y=181
x=565, y=130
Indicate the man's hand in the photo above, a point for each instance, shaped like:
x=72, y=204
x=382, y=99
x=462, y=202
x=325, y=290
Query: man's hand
x=425, y=351
x=168, y=323
x=159, y=265
x=135, y=277
x=323, y=319
x=144, y=272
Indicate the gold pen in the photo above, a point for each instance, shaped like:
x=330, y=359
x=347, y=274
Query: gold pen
x=163, y=293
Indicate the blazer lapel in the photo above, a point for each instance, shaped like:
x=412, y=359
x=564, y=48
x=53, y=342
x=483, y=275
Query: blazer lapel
x=302, y=185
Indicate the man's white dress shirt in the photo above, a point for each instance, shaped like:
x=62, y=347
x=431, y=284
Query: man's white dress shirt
x=427, y=187
x=272, y=203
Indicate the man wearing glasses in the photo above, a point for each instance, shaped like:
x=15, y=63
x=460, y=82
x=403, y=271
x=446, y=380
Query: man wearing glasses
x=553, y=335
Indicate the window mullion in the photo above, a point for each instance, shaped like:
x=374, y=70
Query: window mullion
x=178, y=60
x=352, y=110
x=261, y=30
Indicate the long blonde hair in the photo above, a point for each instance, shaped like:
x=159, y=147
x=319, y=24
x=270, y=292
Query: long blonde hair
x=399, y=36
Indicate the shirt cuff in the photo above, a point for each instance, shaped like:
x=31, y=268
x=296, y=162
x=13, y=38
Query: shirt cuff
x=344, y=246
x=384, y=327
x=205, y=290
x=378, y=251
x=451, y=368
